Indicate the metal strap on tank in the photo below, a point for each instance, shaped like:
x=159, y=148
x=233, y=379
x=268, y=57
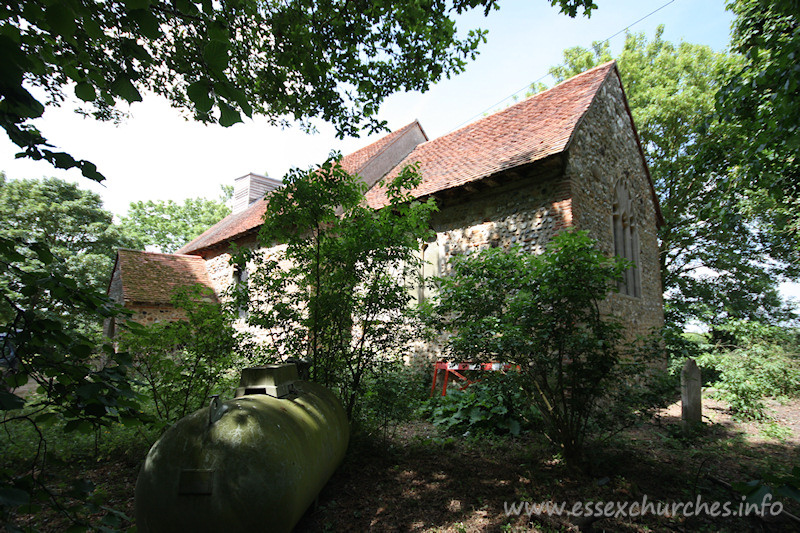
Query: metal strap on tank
x=215, y=409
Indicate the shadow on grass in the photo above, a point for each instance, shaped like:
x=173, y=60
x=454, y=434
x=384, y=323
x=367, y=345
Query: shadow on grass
x=441, y=484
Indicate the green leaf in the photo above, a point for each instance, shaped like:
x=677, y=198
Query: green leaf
x=198, y=93
x=247, y=109
x=748, y=487
x=89, y=170
x=789, y=491
x=17, y=379
x=42, y=252
x=62, y=160
x=476, y=414
x=81, y=350
x=85, y=91
x=186, y=7
x=147, y=22
x=9, y=401
x=46, y=419
x=758, y=495
x=228, y=115
x=25, y=105
x=81, y=426
x=11, y=497
x=61, y=19
x=215, y=54
x=137, y=5
x=129, y=421
x=92, y=28
x=11, y=32
x=123, y=88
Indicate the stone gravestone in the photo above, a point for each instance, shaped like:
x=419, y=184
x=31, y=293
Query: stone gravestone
x=691, y=399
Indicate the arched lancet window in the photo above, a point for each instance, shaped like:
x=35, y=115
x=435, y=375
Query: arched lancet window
x=429, y=255
x=626, y=241
x=430, y=268
x=240, y=279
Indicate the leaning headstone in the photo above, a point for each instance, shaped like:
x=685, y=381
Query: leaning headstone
x=691, y=399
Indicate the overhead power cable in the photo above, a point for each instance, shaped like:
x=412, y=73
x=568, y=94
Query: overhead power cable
x=512, y=95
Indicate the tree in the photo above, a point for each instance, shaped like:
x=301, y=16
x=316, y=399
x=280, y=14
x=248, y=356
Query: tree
x=82, y=386
x=168, y=225
x=541, y=312
x=761, y=102
x=69, y=222
x=217, y=60
x=334, y=290
x=716, y=258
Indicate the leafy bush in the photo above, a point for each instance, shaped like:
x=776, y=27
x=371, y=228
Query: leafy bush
x=392, y=395
x=782, y=484
x=541, y=312
x=497, y=404
x=42, y=469
x=335, y=293
x=180, y=363
x=639, y=385
x=753, y=361
x=42, y=315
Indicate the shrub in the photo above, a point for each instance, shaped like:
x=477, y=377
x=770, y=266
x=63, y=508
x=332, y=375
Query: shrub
x=392, y=395
x=180, y=363
x=496, y=404
x=639, y=385
x=753, y=361
x=335, y=291
x=540, y=312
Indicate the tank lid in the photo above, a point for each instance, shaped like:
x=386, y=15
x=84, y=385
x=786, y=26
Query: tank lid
x=273, y=380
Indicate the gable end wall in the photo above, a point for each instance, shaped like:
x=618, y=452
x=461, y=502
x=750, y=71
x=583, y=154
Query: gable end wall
x=604, y=152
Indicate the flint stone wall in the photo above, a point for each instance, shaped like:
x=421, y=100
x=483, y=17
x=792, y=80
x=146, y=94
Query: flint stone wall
x=149, y=315
x=604, y=153
x=574, y=191
x=525, y=213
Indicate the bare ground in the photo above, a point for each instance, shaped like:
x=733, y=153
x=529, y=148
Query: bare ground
x=422, y=481
x=419, y=481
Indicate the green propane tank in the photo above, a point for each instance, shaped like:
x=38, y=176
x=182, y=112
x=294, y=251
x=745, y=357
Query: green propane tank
x=254, y=463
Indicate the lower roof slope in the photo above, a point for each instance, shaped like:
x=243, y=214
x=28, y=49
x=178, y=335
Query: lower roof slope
x=153, y=278
x=535, y=128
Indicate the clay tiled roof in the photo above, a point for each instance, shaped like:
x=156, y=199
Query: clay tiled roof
x=531, y=130
x=236, y=225
x=229, y=228
x=152, y=278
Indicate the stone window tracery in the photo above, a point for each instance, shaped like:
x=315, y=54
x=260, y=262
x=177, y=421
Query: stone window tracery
x=626, y=241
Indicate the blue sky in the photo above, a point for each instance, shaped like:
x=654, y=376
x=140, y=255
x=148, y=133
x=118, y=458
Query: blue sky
x=156, y=154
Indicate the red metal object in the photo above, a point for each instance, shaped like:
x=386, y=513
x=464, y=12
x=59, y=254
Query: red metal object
x=453, y=368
